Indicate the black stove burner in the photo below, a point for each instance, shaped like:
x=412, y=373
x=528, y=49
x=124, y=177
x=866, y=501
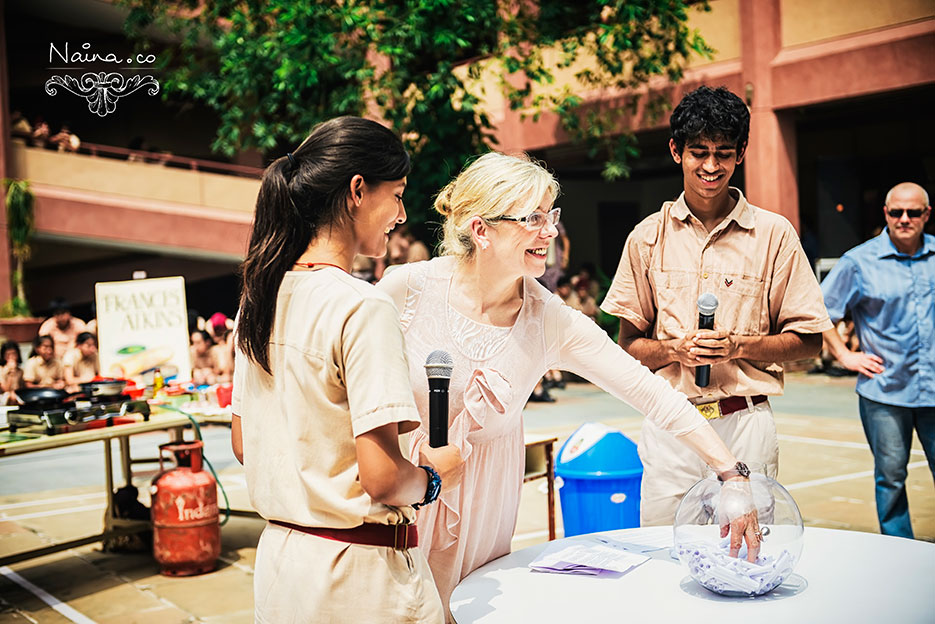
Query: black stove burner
x=76, y=413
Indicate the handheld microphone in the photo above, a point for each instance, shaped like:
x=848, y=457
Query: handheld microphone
x=438, y=369
x=707, y=304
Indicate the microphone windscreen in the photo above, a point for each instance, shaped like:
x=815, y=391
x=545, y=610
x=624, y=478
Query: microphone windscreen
x=707, y=304
x=439, y=364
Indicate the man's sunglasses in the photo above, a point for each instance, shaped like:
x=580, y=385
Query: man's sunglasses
x=897, y=213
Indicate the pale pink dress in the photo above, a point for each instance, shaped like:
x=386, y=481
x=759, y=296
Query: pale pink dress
x=495, y=370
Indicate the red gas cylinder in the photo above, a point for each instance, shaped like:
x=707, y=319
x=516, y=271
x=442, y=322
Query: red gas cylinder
x=186, y=533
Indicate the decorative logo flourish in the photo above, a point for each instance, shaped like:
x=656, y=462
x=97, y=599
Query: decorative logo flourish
x=102, y=90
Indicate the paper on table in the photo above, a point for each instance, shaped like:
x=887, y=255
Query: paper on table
x=638, y=541
x=585, y=557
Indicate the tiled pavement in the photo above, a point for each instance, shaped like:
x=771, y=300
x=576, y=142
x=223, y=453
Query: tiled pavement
x=825, y=463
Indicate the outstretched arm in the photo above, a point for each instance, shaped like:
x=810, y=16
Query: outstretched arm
x=583, y=348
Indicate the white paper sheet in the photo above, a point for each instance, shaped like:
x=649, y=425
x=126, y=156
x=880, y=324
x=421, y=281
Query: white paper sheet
x=587, y=556
x=638, y=541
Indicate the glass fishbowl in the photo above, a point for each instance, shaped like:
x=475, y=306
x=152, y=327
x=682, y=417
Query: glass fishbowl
x=706, y=555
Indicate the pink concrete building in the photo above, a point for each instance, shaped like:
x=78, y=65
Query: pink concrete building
x=841, y=94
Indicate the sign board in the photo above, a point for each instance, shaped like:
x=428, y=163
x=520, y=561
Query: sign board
x=143, y=325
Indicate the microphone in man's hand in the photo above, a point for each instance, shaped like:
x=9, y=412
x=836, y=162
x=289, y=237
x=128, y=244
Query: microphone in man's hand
x=707, y=304
x=438, y=369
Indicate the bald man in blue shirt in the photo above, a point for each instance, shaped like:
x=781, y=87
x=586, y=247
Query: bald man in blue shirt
x=888, y=286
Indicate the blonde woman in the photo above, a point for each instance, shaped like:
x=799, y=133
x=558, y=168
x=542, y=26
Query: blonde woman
x=480, y=302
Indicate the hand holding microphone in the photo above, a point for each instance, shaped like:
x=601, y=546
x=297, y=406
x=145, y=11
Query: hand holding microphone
x=707, y=304
x=444, y=458
x=438, y=367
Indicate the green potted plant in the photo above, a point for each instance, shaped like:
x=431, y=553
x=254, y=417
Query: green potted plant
x=16, y=320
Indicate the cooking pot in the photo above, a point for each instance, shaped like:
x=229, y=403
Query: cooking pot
x=103, y=387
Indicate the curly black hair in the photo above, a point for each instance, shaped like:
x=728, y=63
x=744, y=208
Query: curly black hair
x=714, y=114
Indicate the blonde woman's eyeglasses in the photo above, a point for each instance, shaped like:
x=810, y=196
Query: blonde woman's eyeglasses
x=535, y=220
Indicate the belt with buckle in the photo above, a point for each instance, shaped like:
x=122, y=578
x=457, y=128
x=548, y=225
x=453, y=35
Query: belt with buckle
x=396, y=536
x=725, y=407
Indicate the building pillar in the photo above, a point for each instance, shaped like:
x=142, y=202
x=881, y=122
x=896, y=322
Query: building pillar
x=6, y=286
x=770, y=164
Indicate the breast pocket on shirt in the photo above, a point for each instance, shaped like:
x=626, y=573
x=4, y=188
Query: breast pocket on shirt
x=676, y=313
x=740, y=304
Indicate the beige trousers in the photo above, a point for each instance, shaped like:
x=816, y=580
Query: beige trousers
x=670, y=468
x=302, y=578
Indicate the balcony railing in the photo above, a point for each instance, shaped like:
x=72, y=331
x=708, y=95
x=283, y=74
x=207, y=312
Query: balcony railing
x=157, y=158
x=169, y=160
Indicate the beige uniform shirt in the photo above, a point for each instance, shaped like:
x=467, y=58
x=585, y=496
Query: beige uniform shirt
x=11, y=378
x=64, y=339
x=43, y=373
x=339, y=370
x=82, y=368
x=752, y=262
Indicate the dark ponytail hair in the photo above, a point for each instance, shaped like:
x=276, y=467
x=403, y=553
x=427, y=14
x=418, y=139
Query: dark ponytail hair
x=299, y=197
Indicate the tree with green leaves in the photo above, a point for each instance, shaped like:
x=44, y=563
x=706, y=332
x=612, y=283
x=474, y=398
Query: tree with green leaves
x=272, y=69
x=20, y=218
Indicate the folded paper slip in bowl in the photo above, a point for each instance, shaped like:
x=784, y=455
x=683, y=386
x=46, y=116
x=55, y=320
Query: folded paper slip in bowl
x=398, y=536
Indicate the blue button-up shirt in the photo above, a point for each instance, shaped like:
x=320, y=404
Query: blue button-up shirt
x=891, y=297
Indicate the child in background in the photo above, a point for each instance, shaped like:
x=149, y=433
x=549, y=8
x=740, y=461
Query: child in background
x=43, y=369
x=11, y=375
x=81, y=363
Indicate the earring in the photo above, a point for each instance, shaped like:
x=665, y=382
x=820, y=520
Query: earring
x=484, y=244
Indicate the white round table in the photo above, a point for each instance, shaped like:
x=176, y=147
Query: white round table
x=843, y=576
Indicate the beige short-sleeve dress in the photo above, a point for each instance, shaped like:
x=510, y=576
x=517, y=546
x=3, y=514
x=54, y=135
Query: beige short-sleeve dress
x=338, y=370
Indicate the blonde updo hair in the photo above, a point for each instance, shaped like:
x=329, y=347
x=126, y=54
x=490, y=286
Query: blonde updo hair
x=492, y=186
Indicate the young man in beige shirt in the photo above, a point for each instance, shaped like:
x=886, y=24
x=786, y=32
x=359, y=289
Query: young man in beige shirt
x=62, y=327
x=711, y=240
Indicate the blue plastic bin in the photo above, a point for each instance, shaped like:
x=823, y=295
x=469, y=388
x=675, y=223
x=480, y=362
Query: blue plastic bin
x=601, y=471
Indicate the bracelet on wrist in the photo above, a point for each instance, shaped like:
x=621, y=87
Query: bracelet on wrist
x=432, y=489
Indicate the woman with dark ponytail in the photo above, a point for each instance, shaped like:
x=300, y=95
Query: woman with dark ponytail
x=321, y=391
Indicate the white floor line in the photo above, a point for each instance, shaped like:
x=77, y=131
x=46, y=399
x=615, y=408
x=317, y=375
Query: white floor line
x=846, y=477
x=50, y=501
x=47, y=598
x=837, y=443
x=240, y=566
x=53, y=512
x=824, y=442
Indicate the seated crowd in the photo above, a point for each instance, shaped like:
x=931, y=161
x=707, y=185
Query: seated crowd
x=65, y=354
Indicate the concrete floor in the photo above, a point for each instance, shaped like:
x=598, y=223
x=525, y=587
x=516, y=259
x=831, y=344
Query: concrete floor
x=825, y=464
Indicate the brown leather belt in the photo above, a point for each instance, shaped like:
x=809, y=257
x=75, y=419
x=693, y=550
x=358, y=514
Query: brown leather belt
x=727, y=406
x=397, y=536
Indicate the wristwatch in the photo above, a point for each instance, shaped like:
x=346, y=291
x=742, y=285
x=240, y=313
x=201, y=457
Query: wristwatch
x=432, y=490
x=739, y=468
